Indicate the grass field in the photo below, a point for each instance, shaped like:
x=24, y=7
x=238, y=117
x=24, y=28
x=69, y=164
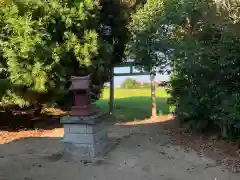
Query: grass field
x=134, y=104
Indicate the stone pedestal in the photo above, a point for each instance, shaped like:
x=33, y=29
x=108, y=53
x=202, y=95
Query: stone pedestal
x=85, y=137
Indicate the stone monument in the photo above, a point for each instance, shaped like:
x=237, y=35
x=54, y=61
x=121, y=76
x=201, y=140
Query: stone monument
x=85, y=134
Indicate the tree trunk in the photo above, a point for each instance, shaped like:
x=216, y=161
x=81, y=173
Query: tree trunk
x=153, y=96
x=111, y=98
x=224, y=131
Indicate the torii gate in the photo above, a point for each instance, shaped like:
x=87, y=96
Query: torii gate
x=131, y=73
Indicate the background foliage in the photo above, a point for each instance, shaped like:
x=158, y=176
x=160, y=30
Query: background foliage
x=129, y=83
x=200, y=40
x=43, y=43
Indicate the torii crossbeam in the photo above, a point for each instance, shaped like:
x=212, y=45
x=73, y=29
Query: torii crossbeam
x=131, y=73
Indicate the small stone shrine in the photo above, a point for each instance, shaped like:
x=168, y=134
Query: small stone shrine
x=85, y=134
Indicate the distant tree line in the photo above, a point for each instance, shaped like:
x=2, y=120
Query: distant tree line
x=130, y=83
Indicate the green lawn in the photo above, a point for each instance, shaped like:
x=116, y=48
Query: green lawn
x=134, y=104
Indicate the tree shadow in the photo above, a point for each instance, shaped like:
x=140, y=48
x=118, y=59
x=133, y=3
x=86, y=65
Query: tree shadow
x=139, y=137
x=21, y=119
x=43, y=151
x=135, y=108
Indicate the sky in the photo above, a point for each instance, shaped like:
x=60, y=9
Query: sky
x=119, y=79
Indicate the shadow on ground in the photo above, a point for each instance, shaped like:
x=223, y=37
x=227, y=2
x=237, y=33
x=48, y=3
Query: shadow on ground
x=144, y=151
x=21, y=119
x=41, y=157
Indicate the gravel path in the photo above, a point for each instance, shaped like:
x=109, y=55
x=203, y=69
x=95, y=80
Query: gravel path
x=144, y=152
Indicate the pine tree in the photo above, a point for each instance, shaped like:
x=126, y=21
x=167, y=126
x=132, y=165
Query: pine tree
x=43, y=43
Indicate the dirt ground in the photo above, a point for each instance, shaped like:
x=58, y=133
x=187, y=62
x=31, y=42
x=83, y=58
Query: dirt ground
x=145, y=151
